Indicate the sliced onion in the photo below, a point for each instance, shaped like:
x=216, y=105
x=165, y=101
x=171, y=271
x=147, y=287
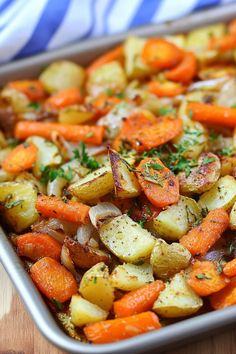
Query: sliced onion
x=67, y=261
x=208, y=84
x=52, y=227
x=102, y=212
x=84, y=233
x=227, y=95
x=56, y=186
x=63, y=146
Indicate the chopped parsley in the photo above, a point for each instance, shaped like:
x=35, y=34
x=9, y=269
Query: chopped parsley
x=35, y=105
x=165, y=110
x=154, y=166
x=12, y=204
x=120, y=95
x=213, y=135
x=83, y=157
x=208, y=160
x=124, y=148
x=49, y=174
x=190, y=114
x=202, y=276
x=228, y=151
x=109, y=92
x=59, y=306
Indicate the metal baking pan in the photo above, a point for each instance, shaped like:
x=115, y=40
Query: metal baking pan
x=167, y=337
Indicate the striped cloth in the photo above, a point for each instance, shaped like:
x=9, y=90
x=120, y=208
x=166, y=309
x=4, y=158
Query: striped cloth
x=31, y=26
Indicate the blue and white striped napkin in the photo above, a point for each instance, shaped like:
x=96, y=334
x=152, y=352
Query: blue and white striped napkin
x=28, y=27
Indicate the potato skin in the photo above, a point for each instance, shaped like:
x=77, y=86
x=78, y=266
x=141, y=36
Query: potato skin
x=202, y=177
x=168, y=260
x=85, y=256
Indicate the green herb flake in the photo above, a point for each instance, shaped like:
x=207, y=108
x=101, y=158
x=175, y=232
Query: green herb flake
x=89, y=135
x=233, y=106
x=13, y=204
x=120, y=95
x=49, y=174
x=154, y=166
x=163, y=111
x=208, y=160
x=94, y=280
x=190, y=114
x=59, y=306
x=213, y=135
x=202, y=276
x=35, y=105
x=83, y=157
x=227, y=151
x=109, y=92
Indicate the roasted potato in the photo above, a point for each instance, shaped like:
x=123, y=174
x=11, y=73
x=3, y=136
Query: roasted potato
x=232, y=217
x=83, y=255
x=228, y=165
x=47, y=154
x=125, y=181
x=96, y=287
x=203, y=176
x=177, y=299
x=107, y=76
x=221, y=195
x=28, y=177
x=18, y=100
x=168, y=260
x=129, y=276
x=17, y=204
x=76, y=114
x=6, y=176
x=61, y=75
x=93, y=186
x=84, y=312
x=127, y=239
x=176, y=220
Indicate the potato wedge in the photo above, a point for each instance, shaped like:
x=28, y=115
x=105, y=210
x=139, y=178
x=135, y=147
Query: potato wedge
x=134, y=66
x=176, y=220
x=61, y=75
x=17, y=204
x=228, y=165
x=18, y=100
x=107, y=76
x=76, y=114
x=93, y=186
x=84, y=312
x=232, y=217
x=96, y=287
x=168, y=260
x=129, y=276
x=221, y=195
x=83, y=255
x=177, y=299
x=47, y=154
x=127, y=239
x=203, y=176
x=125, y=181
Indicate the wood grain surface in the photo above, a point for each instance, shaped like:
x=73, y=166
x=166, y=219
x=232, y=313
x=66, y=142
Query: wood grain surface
x=18, y=335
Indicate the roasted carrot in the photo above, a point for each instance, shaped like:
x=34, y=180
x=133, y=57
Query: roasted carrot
x=53, y=279
x=121, y=328
x=159, y=184
x=64, y=98
x=230, y=268
x=225, y=297
x=139, y=300
x=232, y=27
x=33, y=89
x=103, y=104
x=91, y=134
x=166, y=89
x=133, y=123
x=114, y=54
x=185, y=71
x=202, y=237
x=223, y=44
x=53, y=207
x=20, y=158
x=34, y=246
x=161, y=54
x=212, y=114
x=205, y=280
x=165, y=129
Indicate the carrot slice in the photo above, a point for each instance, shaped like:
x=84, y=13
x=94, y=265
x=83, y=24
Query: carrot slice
x=90, y=134
x=64, y=98
x=139, y=300
x=202, y=237
x=103, y=104
x=33, y=89
x=53, y=207
x=35, y=246
x=121, y=328
x=212, y=114
x=161, y=54
x=20, y=158
x=165, y=129
x=53, y=279
x=224, y=43
x=166, y=89
x=225, y=297
x=205, y=279
x=159, y=184
x=185, y=71
x=114, y=54
x=230, y=269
